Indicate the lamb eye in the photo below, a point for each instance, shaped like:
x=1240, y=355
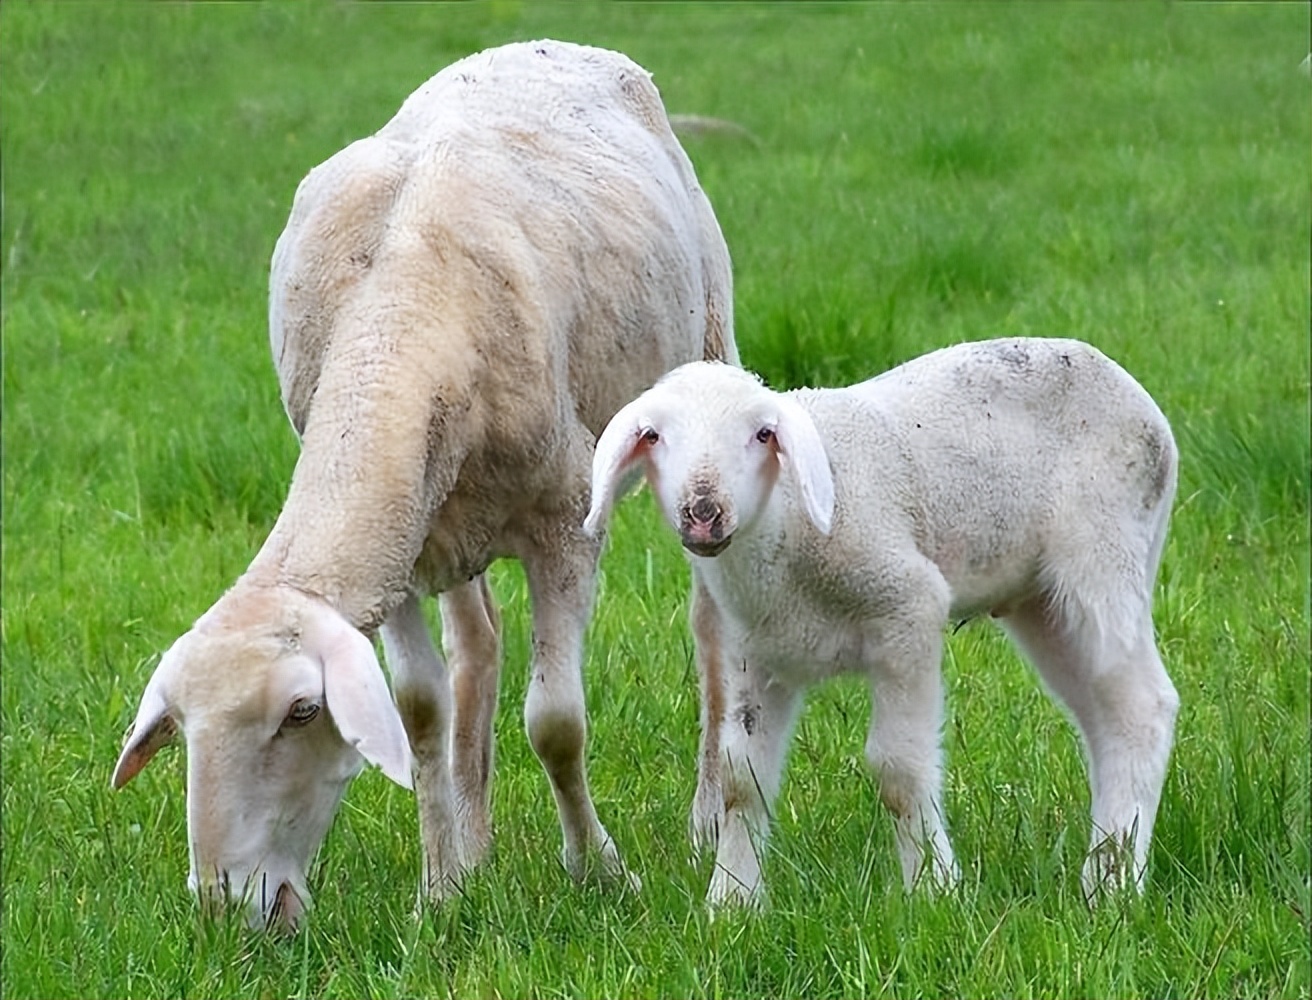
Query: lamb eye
x=650, y=436
x=301, y=712
x=765, y=435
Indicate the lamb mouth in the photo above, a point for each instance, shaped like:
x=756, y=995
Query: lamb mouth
x=708, y=549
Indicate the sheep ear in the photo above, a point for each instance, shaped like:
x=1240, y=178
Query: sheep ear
x=613, y=474
x=153, y=729
x=803, y=451
x=357, y=694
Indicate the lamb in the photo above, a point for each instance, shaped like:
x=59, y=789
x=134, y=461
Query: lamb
x=838, y=530
x=458, y=305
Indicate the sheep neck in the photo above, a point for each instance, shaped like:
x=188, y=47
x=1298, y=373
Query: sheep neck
x=375, y=462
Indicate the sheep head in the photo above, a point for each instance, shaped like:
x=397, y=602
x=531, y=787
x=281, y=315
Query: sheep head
x=711, y=441
x=280, y=702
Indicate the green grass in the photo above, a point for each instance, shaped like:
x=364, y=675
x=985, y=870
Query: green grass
x=1134, y=175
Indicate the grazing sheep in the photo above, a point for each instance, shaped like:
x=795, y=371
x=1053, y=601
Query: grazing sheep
x=838, y=530
x=458, y=305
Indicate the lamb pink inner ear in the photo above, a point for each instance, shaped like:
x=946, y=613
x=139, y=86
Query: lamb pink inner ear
x=358, y=698
x=617, y=450
x=804, y=452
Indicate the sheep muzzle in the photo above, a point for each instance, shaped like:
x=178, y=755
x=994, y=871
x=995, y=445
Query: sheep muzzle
x=704, y=529
x=280, y=910
x=287, y=910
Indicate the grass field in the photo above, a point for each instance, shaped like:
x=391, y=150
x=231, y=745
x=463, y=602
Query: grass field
x=1134, y=175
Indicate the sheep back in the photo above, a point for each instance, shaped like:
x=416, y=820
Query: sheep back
x=992, y=457
x=461, y=301
x=533, y=203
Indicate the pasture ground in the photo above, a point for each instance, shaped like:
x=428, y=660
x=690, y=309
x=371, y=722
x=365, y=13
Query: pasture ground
x=1134, y=175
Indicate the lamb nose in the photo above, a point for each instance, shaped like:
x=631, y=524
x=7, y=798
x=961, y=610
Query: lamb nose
x=704, y=510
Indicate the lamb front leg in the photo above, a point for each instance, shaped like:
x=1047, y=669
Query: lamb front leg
x=903, y=747
x=759, y=720
x=708, y=801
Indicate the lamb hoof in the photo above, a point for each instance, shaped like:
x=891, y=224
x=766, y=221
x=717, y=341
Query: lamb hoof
x=727, y=893
x=706, y=820
x=445, y=877
x=1110, y=870
x=940, y=877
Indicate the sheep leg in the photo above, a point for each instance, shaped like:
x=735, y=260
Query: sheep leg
x=561, y=588
x=761, y=713
x=423, y=699
x=904, y=752
x=708, y=801
x=471, y=638
x=1125, y=705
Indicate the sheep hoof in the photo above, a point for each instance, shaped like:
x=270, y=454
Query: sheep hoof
x=601, y=864
x=939, y=876
x=444, y=878
x=438, y=887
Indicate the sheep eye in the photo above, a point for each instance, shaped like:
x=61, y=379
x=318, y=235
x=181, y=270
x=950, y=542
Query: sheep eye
x=301, y=712
x=650, y=436
x=765, y=435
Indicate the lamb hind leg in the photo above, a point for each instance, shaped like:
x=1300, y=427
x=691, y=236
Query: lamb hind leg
x=1125, y=706
x=560, y=583
x=471, y=638
x=423, y=699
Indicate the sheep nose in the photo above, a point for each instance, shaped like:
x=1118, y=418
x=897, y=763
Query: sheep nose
x=703, y=510
x=705, y=531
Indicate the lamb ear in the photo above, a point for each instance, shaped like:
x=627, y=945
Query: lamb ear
x=613, y=473
x=153, y=729
x=804, y=452
x=357, y=694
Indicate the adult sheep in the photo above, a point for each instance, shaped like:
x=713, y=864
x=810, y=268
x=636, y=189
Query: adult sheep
x=839, y=530
x=458, y=305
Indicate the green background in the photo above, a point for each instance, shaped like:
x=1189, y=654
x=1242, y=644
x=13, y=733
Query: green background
x=1136, y=175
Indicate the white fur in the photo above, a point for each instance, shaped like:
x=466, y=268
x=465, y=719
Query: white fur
x=458, y=305
x=1030, y=480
